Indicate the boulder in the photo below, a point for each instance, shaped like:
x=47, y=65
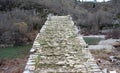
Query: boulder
x=112, y=58
x=105, y=70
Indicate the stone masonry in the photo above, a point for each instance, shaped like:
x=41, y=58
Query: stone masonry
x=59, y=49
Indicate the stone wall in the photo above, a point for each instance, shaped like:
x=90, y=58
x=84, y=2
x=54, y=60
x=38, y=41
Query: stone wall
x=59, y=49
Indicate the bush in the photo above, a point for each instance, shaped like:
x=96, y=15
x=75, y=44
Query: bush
x=16, y=24
x=115, y=33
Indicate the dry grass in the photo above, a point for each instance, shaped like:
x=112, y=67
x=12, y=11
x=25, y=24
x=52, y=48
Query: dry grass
x=12, y=65
x=103, y=56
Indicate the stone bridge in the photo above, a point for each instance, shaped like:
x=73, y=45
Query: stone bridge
x=59, y=49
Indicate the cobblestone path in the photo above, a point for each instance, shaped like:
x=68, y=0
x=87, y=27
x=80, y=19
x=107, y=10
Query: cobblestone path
x=58, y=49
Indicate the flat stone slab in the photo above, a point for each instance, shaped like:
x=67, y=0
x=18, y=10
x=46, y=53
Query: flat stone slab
x=113, y=42
x=99, y=47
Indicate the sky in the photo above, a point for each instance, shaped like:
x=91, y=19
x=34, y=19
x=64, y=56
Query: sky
x=97, y=0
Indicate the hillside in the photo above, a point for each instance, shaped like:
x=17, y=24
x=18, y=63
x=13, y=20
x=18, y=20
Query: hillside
x=19, y=18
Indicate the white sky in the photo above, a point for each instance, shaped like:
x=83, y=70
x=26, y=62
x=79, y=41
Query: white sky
x=96, y=0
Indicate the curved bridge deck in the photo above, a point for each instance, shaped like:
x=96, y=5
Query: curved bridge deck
x=58, y=49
